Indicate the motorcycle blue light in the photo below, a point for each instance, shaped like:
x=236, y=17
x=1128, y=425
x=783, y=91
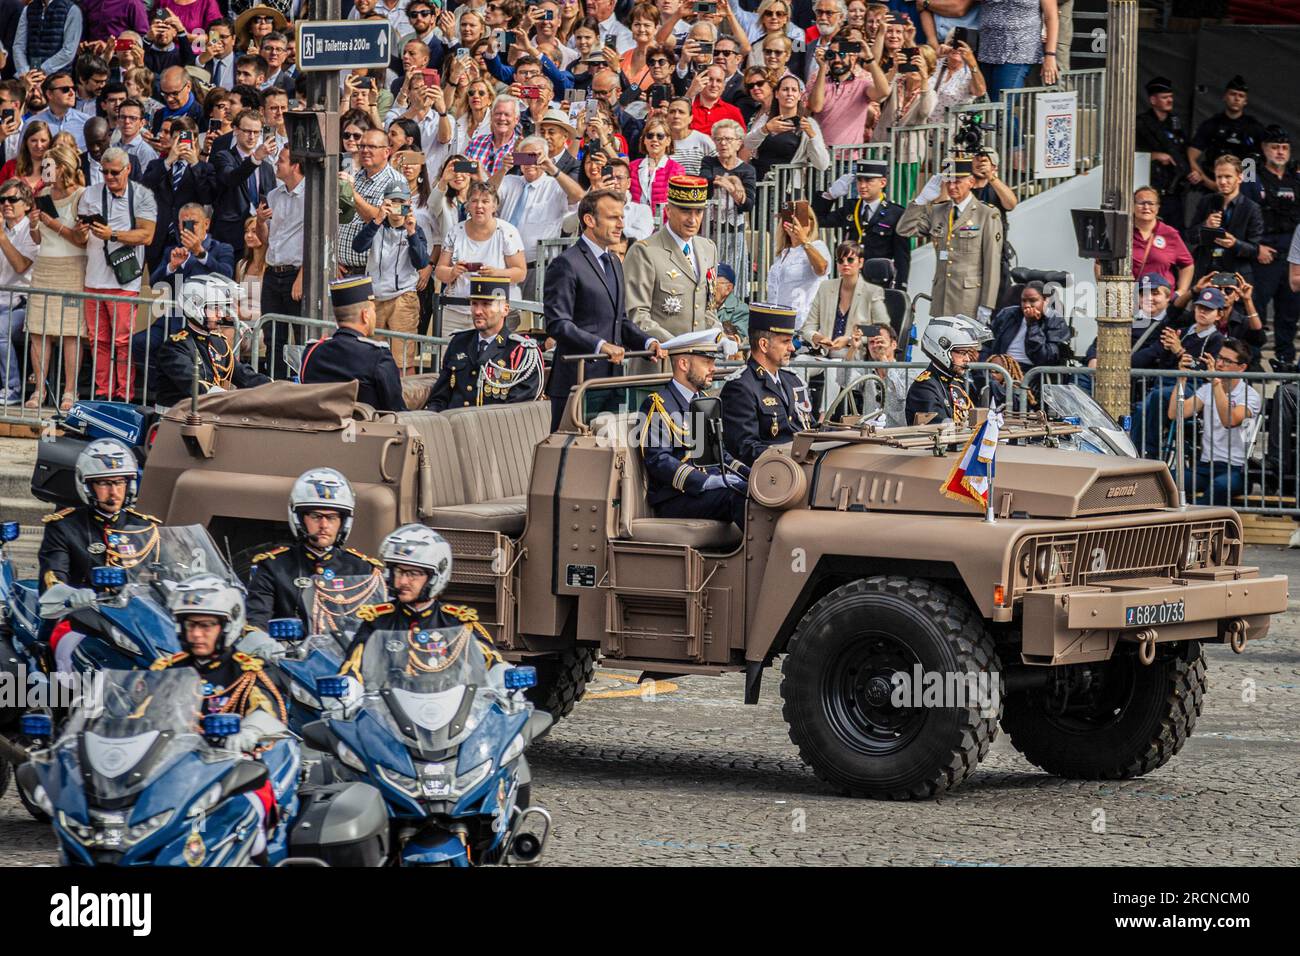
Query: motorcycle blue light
x=36, y=725
x=284, y=628
x=9, y=531
x=1126, y=422
x=519, y=678
x=221, y=725
x=1072, y=420
x=107, y=577
x=331, y=686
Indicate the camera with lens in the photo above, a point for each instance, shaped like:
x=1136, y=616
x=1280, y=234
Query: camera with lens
x=969, y=136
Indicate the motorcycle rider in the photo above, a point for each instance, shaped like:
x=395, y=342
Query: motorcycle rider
x=418, y=560
x=209, y=615
x=321, y=506
x=938, y=395
x=106, y=530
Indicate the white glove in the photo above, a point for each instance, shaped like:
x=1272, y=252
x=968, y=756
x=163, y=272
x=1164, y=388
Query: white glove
x=735, y=482
x=214, y=390
x=63, y=599
x=930, y=192
x=254, y=727
x=713, y=482
x=840, y=188
x=260, y=644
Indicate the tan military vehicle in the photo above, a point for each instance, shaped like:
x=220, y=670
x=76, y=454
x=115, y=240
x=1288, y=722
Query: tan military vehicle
x=911, y=627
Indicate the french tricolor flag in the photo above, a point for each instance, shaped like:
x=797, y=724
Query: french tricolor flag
x=971, y=479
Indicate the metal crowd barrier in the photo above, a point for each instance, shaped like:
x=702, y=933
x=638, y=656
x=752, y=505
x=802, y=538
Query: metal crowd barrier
x=1255, y=467
x=1018, y=137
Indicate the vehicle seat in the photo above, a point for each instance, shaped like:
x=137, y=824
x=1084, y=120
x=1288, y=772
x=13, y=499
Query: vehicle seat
x=636, y=521
x=417, y=388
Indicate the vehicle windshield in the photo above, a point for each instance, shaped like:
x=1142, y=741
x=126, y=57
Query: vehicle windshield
x=171, y=555
x=433, y=684
x=332, y=603
x=132, y=726
x=1070, y=401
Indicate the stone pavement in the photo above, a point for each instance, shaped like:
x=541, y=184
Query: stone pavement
x=694, y=777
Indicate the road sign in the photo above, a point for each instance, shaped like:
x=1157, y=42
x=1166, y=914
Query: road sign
x=342, y=44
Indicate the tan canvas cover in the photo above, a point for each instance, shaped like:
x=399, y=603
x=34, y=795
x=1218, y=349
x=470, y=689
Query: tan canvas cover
x=285, y=405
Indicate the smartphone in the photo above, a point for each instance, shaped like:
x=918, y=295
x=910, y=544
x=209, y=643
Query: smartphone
x=507, y=40
x=530, y=92
x=46, y=205
x=472, y=266
x=851, y=46
x=960, y=35
x=908, y=68
x=405, y=209
x=121, y=46
x=705, y=6
x=465, y=166
x=1224, y=280
x=214, y=126
x=189, y=225
x=185, y=139
x=367, y=83
x=92, y=218
x=787, y=212
x=659, y=94
x=548, y=14
x=431, y=77
x=611, y=42
x=593, y=108
x=7, y=115
x=462, y=53
x=525, y=159
x=1208, y=233
x=570, y=95
x=268, y=132
x=909, y=51
x=704, y=46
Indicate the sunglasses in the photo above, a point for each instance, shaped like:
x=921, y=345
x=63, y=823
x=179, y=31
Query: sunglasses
x=767, y=53
x=429, y=13
x=10, y=200
x=775, y=13
x=756, y=86
x=60, y=89
x=262, y=19
x=478, y=93
x=656, y=135
x=726, y=53
x=113, y=172
x=657, y=61
x=345, y=135
x=847, y=257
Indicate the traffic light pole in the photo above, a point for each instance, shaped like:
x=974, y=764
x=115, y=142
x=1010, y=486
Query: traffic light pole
x=1115, y=289
x=321, y=201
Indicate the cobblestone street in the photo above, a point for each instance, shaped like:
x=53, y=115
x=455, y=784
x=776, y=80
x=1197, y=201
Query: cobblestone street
x=694, y=776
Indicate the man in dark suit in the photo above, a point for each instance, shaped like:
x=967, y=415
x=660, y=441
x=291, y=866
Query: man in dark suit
x=244, y=177
x=584, y=305
x=177, y=178
x=99, y=137
x=870, y=219
x=1230, y=225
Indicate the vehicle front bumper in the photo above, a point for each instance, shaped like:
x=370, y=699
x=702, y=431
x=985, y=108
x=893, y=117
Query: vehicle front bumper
x=1078, y=624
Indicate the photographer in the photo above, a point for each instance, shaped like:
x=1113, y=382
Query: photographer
x=847, y=83
x=395, y=252
x=1230, y=224
x=1227, y=403
x=957, y=79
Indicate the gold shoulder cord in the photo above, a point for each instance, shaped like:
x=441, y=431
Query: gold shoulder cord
x=118, y=560
x=331, y=604
x=222, y=375
x=243, y=690
x=657, y=407
x=414, y=653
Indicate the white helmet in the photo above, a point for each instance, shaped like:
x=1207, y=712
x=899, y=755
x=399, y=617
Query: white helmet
x=321, y=488
x=209, y=292
x=209, y=594
x=947, y=332
x=420, y=547
x=107, y=458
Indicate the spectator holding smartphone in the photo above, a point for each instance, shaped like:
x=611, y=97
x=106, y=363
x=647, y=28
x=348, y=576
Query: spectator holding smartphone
x=1227, y=405
x=481, y=245
x=956, y=80
x=1231, y=225
x=536, y=201
x=179, y=177
x=244, y=176
x=786, y=136
x=396, y=252
x=846, y=84
x=197, y=253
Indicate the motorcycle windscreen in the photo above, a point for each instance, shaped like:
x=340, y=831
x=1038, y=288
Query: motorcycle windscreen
x=1070, y=401
x=165, y=556
x=332, y=602
x=433, y=683
x=131, y=727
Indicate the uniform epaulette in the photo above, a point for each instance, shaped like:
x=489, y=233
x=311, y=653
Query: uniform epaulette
x=523, y=340
x=375, y=342
x=180, y=336
x=247, y=662
x=370, y=612
x=58, y=515
x=162, y=663
x=268, y=554
x=141, y=514
x=924, y=376
x=460, y=612
x=364, y=557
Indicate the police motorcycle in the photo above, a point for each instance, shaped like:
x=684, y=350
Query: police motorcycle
x=442, y=737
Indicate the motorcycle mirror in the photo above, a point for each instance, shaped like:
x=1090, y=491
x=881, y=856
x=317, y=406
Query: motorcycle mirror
x=285, y=628
x=521, y=678
x=317, y=736
x=247, y=776
x=107, y=577
x=9, y=531
x=221, y=725
x=331, y=686
x=37, y=725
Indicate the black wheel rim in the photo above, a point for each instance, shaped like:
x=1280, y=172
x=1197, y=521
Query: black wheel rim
x=857, y=690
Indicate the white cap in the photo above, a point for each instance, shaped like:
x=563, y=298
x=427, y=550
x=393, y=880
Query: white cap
x=712, y=342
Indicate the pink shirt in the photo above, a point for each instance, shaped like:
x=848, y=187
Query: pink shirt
x=195, y=16
x=843, y=117
x=659, y=188
x=1165, y=254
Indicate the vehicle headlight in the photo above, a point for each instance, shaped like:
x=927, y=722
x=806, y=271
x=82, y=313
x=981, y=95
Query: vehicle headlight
x=209, y=799
x=124, y=642
x=80, y=832
x=146, y=827
x=1198, y=551
x=467, y=781
x=401, y=781
x=1052, y=563
x=515, y=748
x=350, y=757
x=303, y=696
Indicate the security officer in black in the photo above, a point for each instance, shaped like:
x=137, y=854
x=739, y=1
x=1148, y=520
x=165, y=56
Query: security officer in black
x=321, y=506
x=764, y=404
x=487, y=365
x=870, y=219
x=1276, y=188
x=939, y=395
x=106, y=530
x=1161, y=133
x=350, y=355
x=1231, y=131
x=205, y=302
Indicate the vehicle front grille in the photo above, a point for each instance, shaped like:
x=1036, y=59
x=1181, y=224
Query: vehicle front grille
x=1124, y=493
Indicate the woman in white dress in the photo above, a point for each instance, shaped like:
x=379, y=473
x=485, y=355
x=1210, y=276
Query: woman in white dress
x=801, y=261
x=481, y=245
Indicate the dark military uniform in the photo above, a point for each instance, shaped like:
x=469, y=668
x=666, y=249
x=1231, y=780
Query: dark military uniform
x=759, y=410
x=234, y=683
x=875, y=232
x=1242, y=137
x=676, y=487
x=940, y=394
x=79, y=539
x=507, y=369
x=349, y=356
x=217, y=366
x=1155, y=135
x=1279, y=201
x=280, y=577
x=394, y=616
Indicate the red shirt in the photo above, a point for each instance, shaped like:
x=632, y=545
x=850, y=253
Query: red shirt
x=702, y=118
x=1165, y=254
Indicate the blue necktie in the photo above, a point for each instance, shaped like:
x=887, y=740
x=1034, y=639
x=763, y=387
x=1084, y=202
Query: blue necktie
x=252, y=189
x=178, y=173
x=610, y=282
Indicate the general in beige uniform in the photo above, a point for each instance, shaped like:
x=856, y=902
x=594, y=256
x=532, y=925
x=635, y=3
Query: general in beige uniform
x=967, y=238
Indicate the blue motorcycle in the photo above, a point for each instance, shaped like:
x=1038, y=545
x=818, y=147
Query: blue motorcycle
x=443, y=739
x=138, y=778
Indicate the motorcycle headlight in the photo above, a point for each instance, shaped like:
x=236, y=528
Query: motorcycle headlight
x=401, y=781
x=303, y=696
x=209, y=799
x=146, y=827
x=80, y=832
x=515, y=748
x=467, y=781
x=350, y=757
x=124, y=642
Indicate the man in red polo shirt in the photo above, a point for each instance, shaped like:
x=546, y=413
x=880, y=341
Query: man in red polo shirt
x=709, y=107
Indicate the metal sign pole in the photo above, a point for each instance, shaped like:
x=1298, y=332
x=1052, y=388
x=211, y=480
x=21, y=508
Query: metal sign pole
x=321, y=200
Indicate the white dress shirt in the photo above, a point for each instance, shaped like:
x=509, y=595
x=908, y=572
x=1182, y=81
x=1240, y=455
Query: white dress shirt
x=544, y=214
x=284, y=240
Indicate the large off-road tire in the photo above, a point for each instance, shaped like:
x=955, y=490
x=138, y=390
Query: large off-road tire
x=1140, y=717
x=837, y=687
x=562, y=680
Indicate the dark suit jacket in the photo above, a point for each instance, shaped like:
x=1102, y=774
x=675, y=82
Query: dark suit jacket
x=581, y=312
x=221, y=261
x=197, y=185
x=230, y=205
x=1245, y=221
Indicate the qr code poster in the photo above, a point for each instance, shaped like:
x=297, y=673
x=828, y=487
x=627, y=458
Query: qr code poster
x=1056, y=133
